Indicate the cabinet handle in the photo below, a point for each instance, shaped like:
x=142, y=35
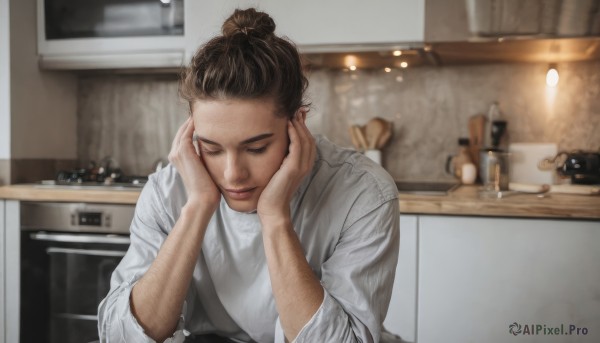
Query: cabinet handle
x=75, y=316
x=79, y=238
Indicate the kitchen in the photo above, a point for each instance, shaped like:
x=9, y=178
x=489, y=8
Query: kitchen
x=57, y=118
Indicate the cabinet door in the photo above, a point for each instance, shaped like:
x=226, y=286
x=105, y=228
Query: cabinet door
x=312, y=23
x=478, y=276
x=2, y=277
x=401, y=317
x=11, y=246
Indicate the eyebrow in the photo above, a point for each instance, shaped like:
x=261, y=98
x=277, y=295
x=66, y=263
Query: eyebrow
x=244, y=142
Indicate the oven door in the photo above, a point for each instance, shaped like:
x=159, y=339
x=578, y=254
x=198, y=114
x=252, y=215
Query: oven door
x=65, y=277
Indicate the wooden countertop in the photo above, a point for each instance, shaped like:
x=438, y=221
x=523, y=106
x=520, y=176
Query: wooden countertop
x=35, y=193
x=464, y=201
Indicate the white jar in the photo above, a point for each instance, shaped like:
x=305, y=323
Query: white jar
x=374, y=155
x=469, y=174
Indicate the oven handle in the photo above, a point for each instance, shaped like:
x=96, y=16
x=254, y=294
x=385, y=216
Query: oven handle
x=93, y=252
x=79, y=238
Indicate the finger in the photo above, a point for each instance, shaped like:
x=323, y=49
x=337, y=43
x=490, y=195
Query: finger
x=295, y=154
x=304, y=142
x=308, y=142
x=177, y=138
x=303, y=139
x=188, y=133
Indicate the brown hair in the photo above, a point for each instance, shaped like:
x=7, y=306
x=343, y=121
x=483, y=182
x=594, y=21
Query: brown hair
x=247, y=61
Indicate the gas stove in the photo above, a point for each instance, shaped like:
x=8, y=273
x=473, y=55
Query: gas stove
x=116, y=186
x=95, y=178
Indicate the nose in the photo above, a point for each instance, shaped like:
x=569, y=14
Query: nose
x=236, y=171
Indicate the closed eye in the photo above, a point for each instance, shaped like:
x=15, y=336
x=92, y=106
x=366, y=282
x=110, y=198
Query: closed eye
x=252, y=151
x=209, y=152
x=258, y=150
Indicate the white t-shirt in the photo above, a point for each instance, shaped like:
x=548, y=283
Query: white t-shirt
x=346, y=216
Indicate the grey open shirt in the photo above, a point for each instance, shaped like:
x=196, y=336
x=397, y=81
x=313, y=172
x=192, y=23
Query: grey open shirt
x=346, y=216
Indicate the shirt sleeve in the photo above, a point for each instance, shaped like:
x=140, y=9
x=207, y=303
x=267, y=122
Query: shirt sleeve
x=116, y=322
x=358, y=280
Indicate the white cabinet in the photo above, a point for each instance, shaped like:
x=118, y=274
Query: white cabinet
x=402, y=314
x=2, y=270
x=477, y=276
x=316, y=25
x=10, y=252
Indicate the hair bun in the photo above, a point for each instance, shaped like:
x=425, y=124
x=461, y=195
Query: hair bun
x=249, y=22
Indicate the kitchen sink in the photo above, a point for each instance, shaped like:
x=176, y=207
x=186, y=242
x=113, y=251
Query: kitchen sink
x=426, y=187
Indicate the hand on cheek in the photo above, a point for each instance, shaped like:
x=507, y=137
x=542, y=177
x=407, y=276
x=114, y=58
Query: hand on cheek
x=184, y=156
x=275, y=199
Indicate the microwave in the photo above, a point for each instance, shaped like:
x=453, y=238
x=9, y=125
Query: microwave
x=97, y=34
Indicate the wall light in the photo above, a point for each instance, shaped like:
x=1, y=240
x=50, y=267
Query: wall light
x=397, y=53
x=552, y=76
x=351, y=61
x=403, y=64
x=387, y=69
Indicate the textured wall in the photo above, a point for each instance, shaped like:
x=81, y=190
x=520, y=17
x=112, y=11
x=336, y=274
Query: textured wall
x=129, y=117
x=134, y=117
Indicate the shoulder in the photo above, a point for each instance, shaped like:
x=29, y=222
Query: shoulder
x=164, y=194
x=166, y=180
x=342, y=166
x=352, y=181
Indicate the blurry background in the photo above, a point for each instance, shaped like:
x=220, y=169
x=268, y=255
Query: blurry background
x=134, y=117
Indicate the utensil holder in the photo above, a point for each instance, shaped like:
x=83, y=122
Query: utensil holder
x=374, y=155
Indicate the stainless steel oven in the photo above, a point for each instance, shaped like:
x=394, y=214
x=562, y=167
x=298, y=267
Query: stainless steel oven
x=68, y=253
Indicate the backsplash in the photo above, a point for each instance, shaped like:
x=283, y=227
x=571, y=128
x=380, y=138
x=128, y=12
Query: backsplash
x=134, y=117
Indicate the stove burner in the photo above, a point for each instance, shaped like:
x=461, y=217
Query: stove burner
x=98, y=177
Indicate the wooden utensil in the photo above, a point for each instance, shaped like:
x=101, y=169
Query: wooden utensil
x=361, y=137
x=386, y=136
x=476, y=136
x=373, y=131
x=353, y=138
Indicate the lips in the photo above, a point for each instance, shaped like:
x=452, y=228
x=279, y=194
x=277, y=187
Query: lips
x=241, y=193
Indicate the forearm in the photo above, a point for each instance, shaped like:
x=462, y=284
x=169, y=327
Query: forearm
x=297, y=291
x=157, y=298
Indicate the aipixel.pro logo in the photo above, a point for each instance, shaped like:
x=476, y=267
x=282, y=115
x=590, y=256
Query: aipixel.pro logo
x=516, y=329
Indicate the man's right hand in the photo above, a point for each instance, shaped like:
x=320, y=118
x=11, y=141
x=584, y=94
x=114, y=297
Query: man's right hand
x=171, y=272
x=201, y=189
